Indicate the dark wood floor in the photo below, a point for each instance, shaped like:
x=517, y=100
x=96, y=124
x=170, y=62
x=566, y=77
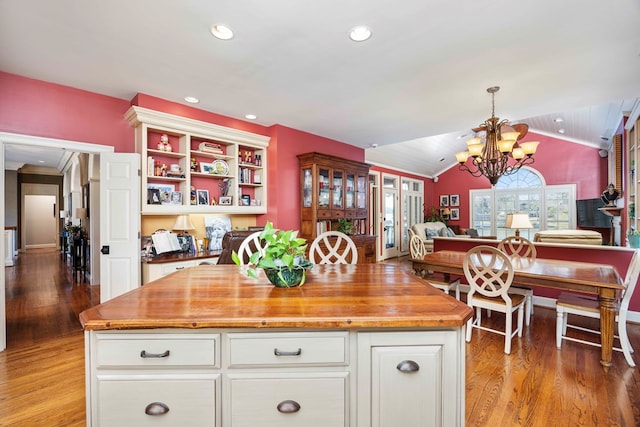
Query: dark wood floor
x=42, y=370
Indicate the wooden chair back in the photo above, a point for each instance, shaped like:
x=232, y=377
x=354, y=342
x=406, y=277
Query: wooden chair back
x=333, y=247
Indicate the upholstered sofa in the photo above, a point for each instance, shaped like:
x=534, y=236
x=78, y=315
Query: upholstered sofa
x=428, y=230
x=573, y=237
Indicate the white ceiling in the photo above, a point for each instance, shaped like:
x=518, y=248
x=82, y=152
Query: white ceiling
x=412, y=89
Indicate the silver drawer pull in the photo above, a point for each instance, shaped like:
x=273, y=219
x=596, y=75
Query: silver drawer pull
x=179, y=268
x=287, y=353
x=146, y=355
x=408, y=366
x=156, y=408
x=288, y=407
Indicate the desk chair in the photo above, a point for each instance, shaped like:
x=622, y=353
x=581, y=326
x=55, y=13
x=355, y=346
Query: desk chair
x=439, y=280
x=589, y=307
x=520, y=250
x=333, y=247
x=490, y=278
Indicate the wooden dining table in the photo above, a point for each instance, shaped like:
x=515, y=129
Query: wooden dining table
x=599, y=279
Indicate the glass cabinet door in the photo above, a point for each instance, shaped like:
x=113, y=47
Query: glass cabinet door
x=307, y=188
x=337, y=190
x=350, y=192
x=362, y=192
x=323, y=188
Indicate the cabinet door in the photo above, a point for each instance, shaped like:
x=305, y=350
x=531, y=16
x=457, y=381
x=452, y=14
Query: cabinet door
x=411, y=379
x=337, y=188
x=350, y=191
x=323, y=188
x=307, y=188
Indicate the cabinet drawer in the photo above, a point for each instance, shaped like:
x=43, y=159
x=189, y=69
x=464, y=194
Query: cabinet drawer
x=153, y=350
x=292, y=348
x=124, y=402
x=170, y=267
x=263, y=402
x=324, y=213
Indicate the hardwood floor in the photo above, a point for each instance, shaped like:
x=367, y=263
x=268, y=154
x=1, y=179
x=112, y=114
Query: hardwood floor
x=42, y=370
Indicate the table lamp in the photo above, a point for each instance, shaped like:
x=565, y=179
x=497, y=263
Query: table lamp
x=183, y=224
x=446, y=213
x=81, y=213
x=517, y=221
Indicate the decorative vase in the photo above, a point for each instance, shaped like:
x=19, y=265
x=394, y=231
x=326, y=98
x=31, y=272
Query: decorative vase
x=283, y=277
x=634, y=240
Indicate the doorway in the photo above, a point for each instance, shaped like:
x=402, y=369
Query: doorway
x=390, y=217
x=40, y=224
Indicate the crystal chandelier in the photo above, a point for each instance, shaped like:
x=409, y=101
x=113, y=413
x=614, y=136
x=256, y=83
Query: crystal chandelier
x=496, y=142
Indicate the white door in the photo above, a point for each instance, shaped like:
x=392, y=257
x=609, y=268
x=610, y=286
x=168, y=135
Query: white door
x=119, y=224
x=390, y=217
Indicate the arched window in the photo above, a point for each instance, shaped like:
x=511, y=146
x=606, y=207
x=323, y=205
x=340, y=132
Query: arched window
x=550, y=207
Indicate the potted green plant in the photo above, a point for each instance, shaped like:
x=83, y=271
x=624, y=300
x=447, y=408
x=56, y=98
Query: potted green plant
x=345, y=226
x=283, y=258
x=434, y=216
x=634, y=238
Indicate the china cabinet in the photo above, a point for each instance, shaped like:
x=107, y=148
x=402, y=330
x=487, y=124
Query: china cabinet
x=333, y=190
x=190, y=166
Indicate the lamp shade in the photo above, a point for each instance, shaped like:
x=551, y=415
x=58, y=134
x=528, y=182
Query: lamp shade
x=64, y=214
x=183, y=223
x=81, y=213
x=517, y=221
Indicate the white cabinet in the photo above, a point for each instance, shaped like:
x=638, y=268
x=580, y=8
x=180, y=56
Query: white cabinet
x=410, y=379
x=187, y=165
x=137, y=379
x=154, y=271
x=249, y=377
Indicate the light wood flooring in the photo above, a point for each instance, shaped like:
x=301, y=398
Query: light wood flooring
x=42, y=370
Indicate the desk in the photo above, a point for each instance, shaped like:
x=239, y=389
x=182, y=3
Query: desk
x=221, y=345
x=599, y=279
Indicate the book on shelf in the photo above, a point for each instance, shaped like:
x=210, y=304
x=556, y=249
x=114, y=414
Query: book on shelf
x=210, y=147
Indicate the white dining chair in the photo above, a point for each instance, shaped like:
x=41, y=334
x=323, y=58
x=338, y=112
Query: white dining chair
x=489, y=273
x=589, y=307
x=333, y=247
x=521, y=250
x=252, y=243
x=437, y=280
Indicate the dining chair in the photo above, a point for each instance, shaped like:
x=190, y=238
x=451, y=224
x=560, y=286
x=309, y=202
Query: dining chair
x=489, y=273
x=521, y=251
x=252, y=243
x=437, y=280
x=333, y=247
x=589, y=307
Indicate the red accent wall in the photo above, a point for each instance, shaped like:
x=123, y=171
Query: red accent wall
x=34, y=107
x=559, y=161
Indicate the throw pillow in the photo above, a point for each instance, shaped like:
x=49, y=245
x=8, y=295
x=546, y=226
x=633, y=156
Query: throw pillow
x=450, y=232
x=431, y=233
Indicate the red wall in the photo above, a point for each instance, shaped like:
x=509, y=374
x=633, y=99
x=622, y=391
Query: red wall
x=559, y=161
x=38, y=108
x=34, y=107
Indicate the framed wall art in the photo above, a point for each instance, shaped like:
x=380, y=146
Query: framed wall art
x=455, y=214
x=454, y=200
x=444, y=200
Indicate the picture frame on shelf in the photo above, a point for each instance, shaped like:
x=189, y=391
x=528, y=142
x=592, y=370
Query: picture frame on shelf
x=164, y=193
x=176, y=198
x=454, y=200
x=203, y=197
x=246, y=200
x=455, y=214
x=225, y=200
x=206, y=167
x=444, y=200
x=153, y=196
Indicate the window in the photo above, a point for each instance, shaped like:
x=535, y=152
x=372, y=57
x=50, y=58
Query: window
x=550, y=207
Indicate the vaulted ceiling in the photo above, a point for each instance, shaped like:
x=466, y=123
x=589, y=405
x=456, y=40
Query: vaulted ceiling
x=414, y=90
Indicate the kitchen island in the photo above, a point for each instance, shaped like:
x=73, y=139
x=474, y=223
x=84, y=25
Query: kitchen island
x=357, y=345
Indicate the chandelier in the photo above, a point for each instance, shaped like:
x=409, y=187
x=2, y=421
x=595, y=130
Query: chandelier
x=495, y=151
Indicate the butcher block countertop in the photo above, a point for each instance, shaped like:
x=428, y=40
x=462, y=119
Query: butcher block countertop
x=334, y=296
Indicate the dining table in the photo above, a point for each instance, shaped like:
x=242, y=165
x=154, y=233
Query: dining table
x=602, y=280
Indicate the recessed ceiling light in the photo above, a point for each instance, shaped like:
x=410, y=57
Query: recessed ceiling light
x=191, y=99
x=561, y=131
x=250, y=116
x=40, y=161
x=222, y=32
x=360, y=33
x=558, y=120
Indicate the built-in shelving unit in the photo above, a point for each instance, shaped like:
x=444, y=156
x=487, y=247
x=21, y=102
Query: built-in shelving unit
x=190, y=166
